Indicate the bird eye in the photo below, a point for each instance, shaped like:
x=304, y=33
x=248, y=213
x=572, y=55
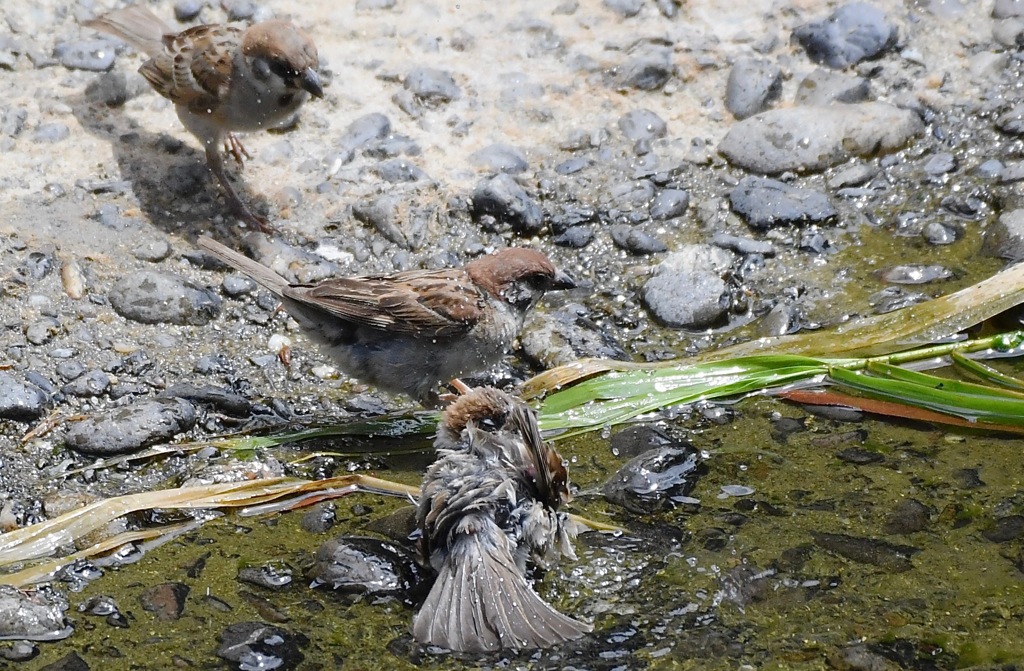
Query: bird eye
x=282, y=69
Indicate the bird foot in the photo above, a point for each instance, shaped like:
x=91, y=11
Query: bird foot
x=234, y=146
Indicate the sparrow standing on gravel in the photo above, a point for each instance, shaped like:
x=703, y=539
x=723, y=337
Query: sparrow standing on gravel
x=223, y=79
x=488, y=508
x=409, y=331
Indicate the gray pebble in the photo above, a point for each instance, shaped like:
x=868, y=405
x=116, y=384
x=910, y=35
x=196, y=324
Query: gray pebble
x=990, y=169
x=12, y=121
x=854, y=32
x=110, y=89
x=752, y=87
x=432, y=86
x=235, y=285
x=655, y=480
x=940, y=164
x=319, y=518
x=1004, y=238
x=1005, y=529
x=393, y=218
x=565, y=335
x=501, y=197
x=94, y=55
x=51, y=132
x=392, y=146
x=894, y=558
x=500, y=158
x=152, y=297
x=364, y=130
x=92, y=383
x=152, y=250
x=648, y=68
x=223, y=400
x=39, y=332
x=687, y=289
x=633, y=194
x=574, y=237
x=915, y=273
x=635, y=240
x=764, y=203
x=855, y=175
x=109, y=215
x=824, y=87
x=239, y=10
x=940, y=234
x=399, y=170
x=909, y=516
x=18, y=400
x=33, y=616
x=743, y=245
x=188, y=10
x=814, y=138
x=1012, y=121
x=364, y=566
x=212, y=364
x=636, y=439
x=1012, y=172
x=1006, y=9
x=669, y=204
x=1009, y=32
x=70, y=369
x=642, y=124
x=130, y=428
x=573, y=165
x=248, y=644
x=370, y=5
x=19, y=651
x=625, y=8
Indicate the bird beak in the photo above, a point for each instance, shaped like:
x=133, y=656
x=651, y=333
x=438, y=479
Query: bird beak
x=310, y=81
x=562, y=281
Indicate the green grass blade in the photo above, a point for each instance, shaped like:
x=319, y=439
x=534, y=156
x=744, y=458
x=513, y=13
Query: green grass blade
x=973, y=407
x=985, y=372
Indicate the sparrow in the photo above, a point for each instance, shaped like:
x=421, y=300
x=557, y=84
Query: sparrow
x=409, y=331
x=223, y=79
x=488, y=509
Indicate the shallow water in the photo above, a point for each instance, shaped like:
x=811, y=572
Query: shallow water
x=739, y=581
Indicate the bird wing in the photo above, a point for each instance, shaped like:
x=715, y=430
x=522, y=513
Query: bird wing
x=196, y=66
x=423, y=304
x=481, y=602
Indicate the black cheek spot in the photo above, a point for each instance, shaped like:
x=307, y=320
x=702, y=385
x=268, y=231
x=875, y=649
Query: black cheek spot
x=286, y=99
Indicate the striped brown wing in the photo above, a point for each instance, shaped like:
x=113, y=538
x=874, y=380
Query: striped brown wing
x=423, y=304
x=196, y=67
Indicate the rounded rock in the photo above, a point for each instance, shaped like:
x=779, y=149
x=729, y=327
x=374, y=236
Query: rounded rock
x=130, y=428
x=851, y=34
x=687, y=289
x=18, y=400
x=752, y=87
x=152, y=297
x=642, y=124
x=766, y=203
x=814, y=138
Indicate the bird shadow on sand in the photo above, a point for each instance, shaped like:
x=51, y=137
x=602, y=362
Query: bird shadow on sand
x=175, y=189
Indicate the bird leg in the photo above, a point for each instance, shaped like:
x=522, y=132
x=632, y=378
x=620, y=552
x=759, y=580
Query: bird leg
x=238, y=208
x=234, y=146
x=444, y=400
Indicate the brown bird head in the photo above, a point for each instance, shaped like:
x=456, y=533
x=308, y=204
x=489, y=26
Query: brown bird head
x=281, y=49
x=511, y=426
x=518, y=276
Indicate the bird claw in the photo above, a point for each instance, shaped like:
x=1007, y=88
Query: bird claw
x=234, y=146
